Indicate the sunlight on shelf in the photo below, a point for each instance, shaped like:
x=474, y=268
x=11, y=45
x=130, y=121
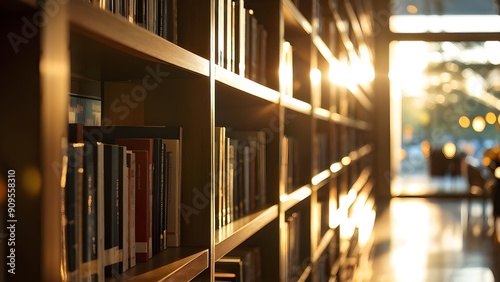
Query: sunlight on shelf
x=341, y=74
x=315, y=76
x=296, y=104
x=298, y=195
x=322, y=113
x=336, y=167
x=346, y=160
x=317, y=179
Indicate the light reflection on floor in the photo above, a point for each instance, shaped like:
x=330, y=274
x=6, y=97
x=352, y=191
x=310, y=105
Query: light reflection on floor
x=424, y=240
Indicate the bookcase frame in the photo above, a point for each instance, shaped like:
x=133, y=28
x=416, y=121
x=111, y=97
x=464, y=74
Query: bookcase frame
x=198, y=95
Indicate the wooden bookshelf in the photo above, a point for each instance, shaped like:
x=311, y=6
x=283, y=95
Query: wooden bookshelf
x=319, y=183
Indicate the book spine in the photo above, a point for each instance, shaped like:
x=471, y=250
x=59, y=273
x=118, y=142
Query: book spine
x=124, y=208
x=111, y=210
x=132, y=180
x=174, y=166
x=89, y=216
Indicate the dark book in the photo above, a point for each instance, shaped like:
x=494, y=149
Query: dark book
x=156, y=211
x=123, y=207
x=239, y=40
x=294, y=266
x=72, y=208
x=248, y=42
x=75, y=133
x=172, y=28
x=89, y=215
x=112, y=227
x=140, y=15
x=254, y=42
x=236, y=172
x=162, y=18
x=262, y=55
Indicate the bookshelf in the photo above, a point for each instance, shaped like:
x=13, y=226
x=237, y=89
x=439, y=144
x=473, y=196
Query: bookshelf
x=318, y=167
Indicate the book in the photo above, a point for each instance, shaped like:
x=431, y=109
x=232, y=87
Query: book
x=112, y=227
x=220, y=144
x=239, y=41
x=144, y=193
x=174, y=168
x=89, y=216
x=72, y=209
x=293, y=223
x=123, y=211
x=131, y=164
x=219, y=32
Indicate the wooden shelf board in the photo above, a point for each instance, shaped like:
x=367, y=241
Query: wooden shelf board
x=296, y=105
x=323, y=244
x=324, y=50
x=290, y=200
x=233, y=234
x=121, y=34
x=294, y=20
x=246, y=85
x=320, y=179
x=173, y=264
x=305, y=274
x=322, y=114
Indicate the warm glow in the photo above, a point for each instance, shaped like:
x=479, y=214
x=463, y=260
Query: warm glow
x=412, y=9
x=498, y=119
x=315, y=76
x=449, y=150
x=486, y=161
x=408, y=66
x=478, y=124
x=322, y=113
x=497, y=172
x=403, y=154
x=296, y=104
x=447, y=23
x=425, y=146
x=341, y=74
x=491, y=48
x=464, y=122
x=317, y=179
x=336, y=167
x=346, y=160
x=491, y=118
x=286, y=70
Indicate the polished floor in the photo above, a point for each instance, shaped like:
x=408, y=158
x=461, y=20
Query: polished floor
x=433, y=240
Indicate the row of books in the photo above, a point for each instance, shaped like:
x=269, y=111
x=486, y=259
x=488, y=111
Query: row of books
x=239, y=265
x=157, y=16
x=121, y=198
x=240, y=160
x=241, y=41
